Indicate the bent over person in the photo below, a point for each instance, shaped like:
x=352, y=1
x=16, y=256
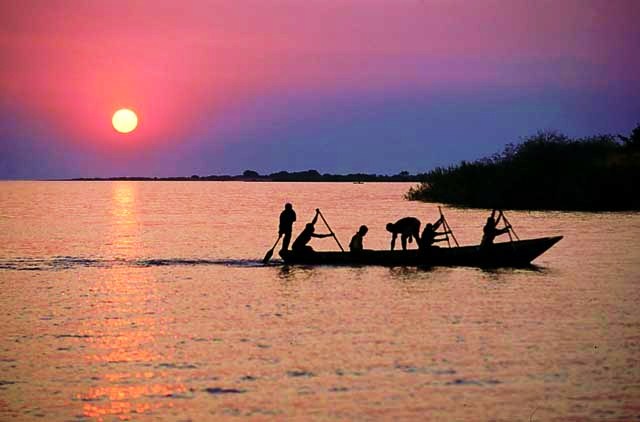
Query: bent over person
x=287, y=217
x=300, y=244
x=408, y=228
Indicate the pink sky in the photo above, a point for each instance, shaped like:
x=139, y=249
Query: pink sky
x=183, y=65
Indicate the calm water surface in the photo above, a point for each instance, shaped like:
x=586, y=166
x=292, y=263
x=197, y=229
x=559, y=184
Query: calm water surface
x=148, y=301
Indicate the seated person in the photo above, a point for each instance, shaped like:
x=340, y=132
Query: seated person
x=356, y=241
x=300, y=244
x=430, y=235
x=490, y=230
x=407, y=228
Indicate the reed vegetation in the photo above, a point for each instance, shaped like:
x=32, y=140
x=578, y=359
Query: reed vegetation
x=546, y=171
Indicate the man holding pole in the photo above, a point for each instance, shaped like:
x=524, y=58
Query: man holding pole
x=300, y=244
x=490, y=230
x=430, y=235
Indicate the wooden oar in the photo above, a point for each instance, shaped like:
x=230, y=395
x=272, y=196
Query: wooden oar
x=330, y=231
x=269, y=253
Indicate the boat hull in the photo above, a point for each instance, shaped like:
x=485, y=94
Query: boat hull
x=507, y=254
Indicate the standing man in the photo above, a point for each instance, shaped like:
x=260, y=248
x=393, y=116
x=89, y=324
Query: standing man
x=407, y=228
x=287, y=217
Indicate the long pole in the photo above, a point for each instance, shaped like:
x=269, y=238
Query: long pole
x=506, y=224
x=447, y=228
x=444, y=224
x=330, y=231
x=504, y=217
x=453, y=236
x=446, y=233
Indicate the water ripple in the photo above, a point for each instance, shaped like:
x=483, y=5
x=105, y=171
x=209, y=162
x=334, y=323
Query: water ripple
x=58, y=263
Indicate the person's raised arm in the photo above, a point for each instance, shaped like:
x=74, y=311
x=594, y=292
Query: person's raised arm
x=315, y=218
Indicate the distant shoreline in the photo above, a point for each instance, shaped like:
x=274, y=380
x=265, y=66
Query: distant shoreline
x=252, y=176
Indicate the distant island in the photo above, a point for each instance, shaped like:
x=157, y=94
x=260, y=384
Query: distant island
x=281, y=176
x=546, y=171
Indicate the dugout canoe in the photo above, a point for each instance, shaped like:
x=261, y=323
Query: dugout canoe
x=518, y=253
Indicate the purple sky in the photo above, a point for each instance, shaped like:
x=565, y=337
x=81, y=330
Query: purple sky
x=343, y=86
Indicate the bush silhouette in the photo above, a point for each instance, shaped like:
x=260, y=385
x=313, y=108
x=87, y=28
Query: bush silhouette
x=546, y=171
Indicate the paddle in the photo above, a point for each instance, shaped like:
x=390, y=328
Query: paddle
x=504, y=217
x=269, y=253
x=330, y=231
x=447, y=229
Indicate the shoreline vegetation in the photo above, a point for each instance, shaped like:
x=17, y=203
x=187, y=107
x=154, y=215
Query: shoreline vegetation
x=547, y=171
x=281, y=176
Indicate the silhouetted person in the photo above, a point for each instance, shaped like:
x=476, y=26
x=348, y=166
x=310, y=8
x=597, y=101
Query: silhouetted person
x=300, y=244
x=490, y=230
x=356, y=241
x=287, y=217
x=407, y=228
x=430, y=235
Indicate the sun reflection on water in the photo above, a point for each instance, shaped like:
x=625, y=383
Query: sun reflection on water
x=124, y=348
x=125, y=222
x=125, y=401
x=138, y=341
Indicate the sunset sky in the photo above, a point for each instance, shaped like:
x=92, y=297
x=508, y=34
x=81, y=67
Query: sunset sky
x=339, y=86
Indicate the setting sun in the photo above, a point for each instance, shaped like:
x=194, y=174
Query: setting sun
x=124, y=120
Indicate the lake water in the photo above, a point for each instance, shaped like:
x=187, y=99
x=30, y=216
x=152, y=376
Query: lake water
x=148, y=301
